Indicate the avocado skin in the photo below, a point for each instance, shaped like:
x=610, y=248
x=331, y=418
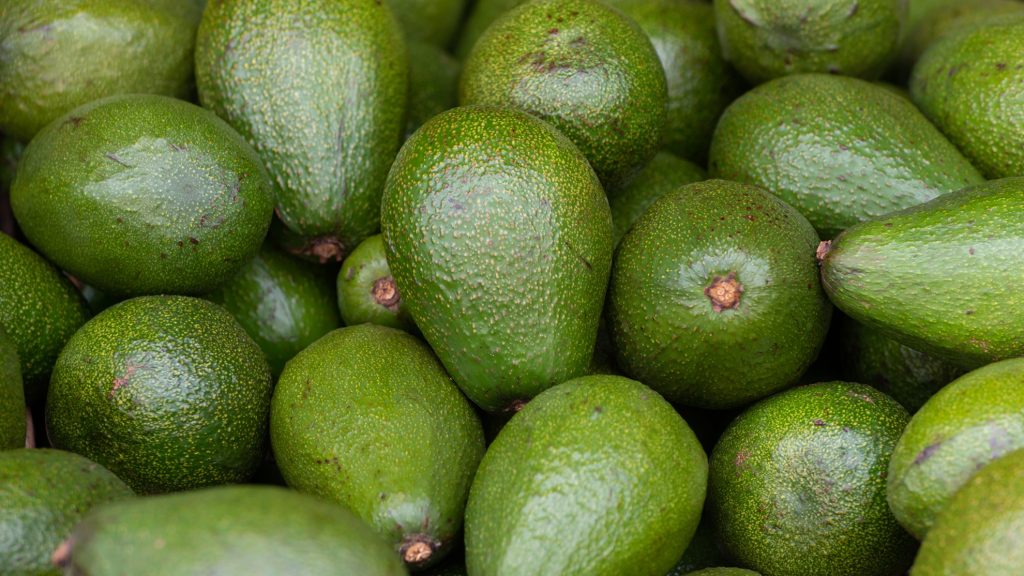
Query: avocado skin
x=703, y=550
x=165, y=196
x=482, y=14
x=970, y=84
x=840, y=150
x=500, y=239
x=367, y=417
x=12, y=396
x=168, y=392
x=582, y=66
x=431, y=21
x=61, y=54
x=797, y=484
x=972, y=421
x=284, y=304
x=228, y=531
x=663, y=174
x=319, y=89
x=587, y=454
x=724, y=572
x=45, y=492
x=359, y=300
x=433, y=84
x=940, y=277
x=39, y=309
x=979, y=530
x=664, y=326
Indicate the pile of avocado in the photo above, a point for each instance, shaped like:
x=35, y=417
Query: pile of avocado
x=512, y=287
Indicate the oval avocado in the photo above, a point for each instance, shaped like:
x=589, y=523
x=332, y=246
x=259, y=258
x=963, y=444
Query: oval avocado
x=367, y=291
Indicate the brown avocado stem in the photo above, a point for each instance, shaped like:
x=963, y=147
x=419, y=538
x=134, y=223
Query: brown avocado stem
x=724, y=293
x=385, y=292
x=325, y=248
x=823, y=250
x=418, y=549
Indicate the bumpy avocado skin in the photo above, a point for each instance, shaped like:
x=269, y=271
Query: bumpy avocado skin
x=481, y=16
x=591, y=453
x=319, y=88
x=60, y=54
x=940, y=277
x=433, y=84
x=500, y=239
x=12, y=396
x=431, y=21
x=972, y=421
x=584, y=67
x=367, y=417
x=839, y=150
x=667, y=327
x=228, y=531
x=39, y=309
x=766, y=39
x=143, y=194
x=45, y=492
x=367, y=291
x=970, y=84
x=797, y=484
x=724, y=572
x=665, y=173
x=168, y=392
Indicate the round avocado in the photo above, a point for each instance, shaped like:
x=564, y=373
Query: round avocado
x=433, y=84
x=663, y=174
x=431, y=21
x=12, y=396
x=168, y=392
x=367, y=292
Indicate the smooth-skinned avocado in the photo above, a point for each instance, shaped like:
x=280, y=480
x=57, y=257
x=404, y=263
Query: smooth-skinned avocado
x=663, y=174
x=431, y=21
x=596, y=476
x=143, y=194
x=499, y=237
x=168, y=392
x=798, y=487
x=433, y=84
x=319, y=88
x=367, y=291
x=12, y=396
x=714, y=299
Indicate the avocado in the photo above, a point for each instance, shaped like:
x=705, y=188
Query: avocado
x=714, y=299
x=143, y=194
x=168, y=392
x=586, y=68
x=367, y=417
x=724, y=572
x=482, y=14
x=282, y=303
x=11, y=150
x=972, y=421
x=797, y=484
x=979, y=531
x=703, y=550
x=367, y=292
x=433, y=84
x=431, y=21
x=12, y=396
x=45, y=492
x=227, y=531
x=940, y=277
x=319, y=88
x=596, y=476
x=766, y=39
x=970, y=84
x=663, y=174
x=61, y=54
x=840, y=150
x=39, y=309
x=499, y=237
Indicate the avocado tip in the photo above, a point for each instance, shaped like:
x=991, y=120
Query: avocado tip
x=724, y=292
x=62, y=555
x=385, y=292
x=418, y=549
x=823, y=249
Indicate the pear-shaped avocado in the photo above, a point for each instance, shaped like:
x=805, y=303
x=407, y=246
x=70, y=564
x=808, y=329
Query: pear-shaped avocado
x=12, y=396
x=367, y=291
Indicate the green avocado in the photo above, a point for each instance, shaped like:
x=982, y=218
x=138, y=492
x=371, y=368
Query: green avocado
x=143, y=194
x=714, y=299
x=499, y=237
x=941, y=277
x=367, y=291
x=11, y=150
x=168, y=392
x=367, y=417
x=433, y=84
x=703, y=550
x=586, y=68
x=481, y=16
x=663, y=174
x=319, y=88
x=840, y=150
x=724, y=572
x=12, y=396
x=431, y=21
x=226, y=531
x=45, y=492
x=597, y=476
x=797, y=484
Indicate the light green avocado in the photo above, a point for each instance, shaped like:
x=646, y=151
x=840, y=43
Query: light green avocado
x=367, y=291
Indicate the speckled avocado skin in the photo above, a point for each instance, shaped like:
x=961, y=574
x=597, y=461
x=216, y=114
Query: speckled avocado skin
x=663, y=174
x=39, y=309
x=367, y=291
x=591, y=453
x=797, y=484
x=668, y=329
x=500, y=239
x=839, y=150
x=970, y=84
x=168, y=392
x=143, y=194
x=431, y=21
x=367, y=417
x=319, y=89
x=972, y=421
x=45, y=492
x=228, y=531
x=584, y=67
x=482, y=15
x=724, y=572
x=941, y=277
x=12, y=396
x=433, y=84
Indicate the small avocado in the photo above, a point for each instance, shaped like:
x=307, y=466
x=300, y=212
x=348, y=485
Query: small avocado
x=12, y=396
x=797, y=484
x=168, y=392
x=431, y=21
x=597, y=476
x=367, y=292
x=227, y=531
x=433, y=84
x=663, y=174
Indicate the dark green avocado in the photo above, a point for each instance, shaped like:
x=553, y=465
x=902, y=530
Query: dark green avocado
x=12, y=396
x=663, y=174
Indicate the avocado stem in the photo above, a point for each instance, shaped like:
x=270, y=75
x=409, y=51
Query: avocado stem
x=724, y=293
x=418, y=549
x=62, y=554
x=385, y=292
x=823, y=250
